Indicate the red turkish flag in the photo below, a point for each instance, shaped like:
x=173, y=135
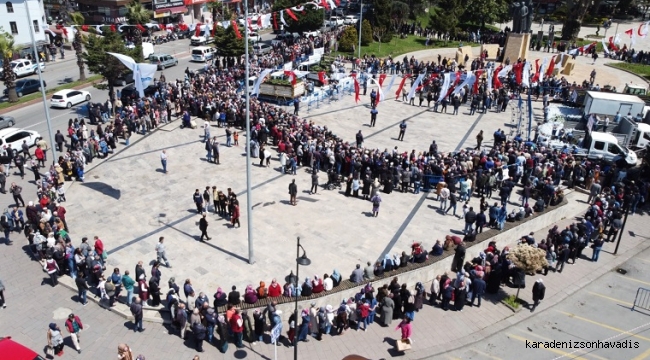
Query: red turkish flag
x=536, y=76
x=197, y=31
x=291, y=75
x=291, y=15
x=325, y=4
x=551, y=66
x=382, y=77
x=84, y=28
x=630, y=32
x=141, y=28
x=236, y=28
x=401, y=86
x=497, y=82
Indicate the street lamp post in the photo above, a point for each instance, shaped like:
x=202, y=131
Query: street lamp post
x=620, y=232
x=249, y=200
x=360, y=26
x=37, y=58
x=304, y=261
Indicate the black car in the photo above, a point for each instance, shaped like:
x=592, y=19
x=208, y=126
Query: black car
x=130, y=93
x=26, y=86
x=125, y=78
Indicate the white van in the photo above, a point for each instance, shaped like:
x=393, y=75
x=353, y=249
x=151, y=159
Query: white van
x=203, y=53
x=605, y=146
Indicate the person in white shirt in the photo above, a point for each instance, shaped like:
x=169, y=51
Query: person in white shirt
x=163, y=160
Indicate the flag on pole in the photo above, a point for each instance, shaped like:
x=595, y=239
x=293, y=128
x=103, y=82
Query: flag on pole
x=605, y=46
x=291, y=15
x=381, y=96
x=469, y=81
x=401, y=86
x=525, y=74
x=291, y=75
x=551, y=66
x=382, y=77
x=282, y=18
x=530, y=115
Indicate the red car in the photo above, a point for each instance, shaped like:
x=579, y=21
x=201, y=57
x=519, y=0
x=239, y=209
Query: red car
x=15, y=351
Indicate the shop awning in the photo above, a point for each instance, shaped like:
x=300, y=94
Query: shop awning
x=173, y=10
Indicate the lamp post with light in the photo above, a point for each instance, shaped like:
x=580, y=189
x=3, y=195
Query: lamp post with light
x=304, y=261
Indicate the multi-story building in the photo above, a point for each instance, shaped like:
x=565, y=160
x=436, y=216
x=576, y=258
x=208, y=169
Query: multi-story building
x=14, y=20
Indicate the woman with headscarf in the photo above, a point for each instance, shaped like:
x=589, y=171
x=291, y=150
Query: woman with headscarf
x=275, y=290
x=250, y=296
x=447, y=291
x=328, y=284
x=259, y=322
x=263, y=292
x=143, y=288
x=154, y=290
x=55, y=339
x=419, y=296
x=336, y=278
x=460, y=296
x=222, y=329
x=501, y=217
x=124, y=352
x=220, y=298
x=342, y=322
x=317, y=285
x=306, y=288
x=303, y=330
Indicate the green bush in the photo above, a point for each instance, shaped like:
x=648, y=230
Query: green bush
x=512, y=301
x=366, y=33
x=348, y=39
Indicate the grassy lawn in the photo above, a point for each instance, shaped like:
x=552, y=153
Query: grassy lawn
x=399, y=46
x=37, y=95
x=638, y=69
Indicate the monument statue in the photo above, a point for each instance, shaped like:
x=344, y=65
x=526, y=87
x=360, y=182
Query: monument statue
x=522, y=16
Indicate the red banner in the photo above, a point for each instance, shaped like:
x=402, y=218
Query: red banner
x=236, y=28
x=291, y=15
x=382, y=77
x=551, y=66
x=401, y=86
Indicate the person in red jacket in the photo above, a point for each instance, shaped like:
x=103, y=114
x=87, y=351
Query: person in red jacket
x=99, y=249
x=237, y=327
x=74, y=325
x=275, y=289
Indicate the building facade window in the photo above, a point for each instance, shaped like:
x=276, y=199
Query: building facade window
x=14, y=27
x=36, y=27
x=10, y=7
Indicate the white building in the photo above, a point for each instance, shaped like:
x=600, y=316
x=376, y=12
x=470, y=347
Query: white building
x=13, y=20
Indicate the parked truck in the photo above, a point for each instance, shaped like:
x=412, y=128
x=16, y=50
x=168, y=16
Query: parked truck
x=204, y=36
x=608, y=104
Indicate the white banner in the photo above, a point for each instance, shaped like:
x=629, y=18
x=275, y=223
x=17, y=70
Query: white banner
x=259, y=81
x=543, y=67
x=489, y=79
x=142, y=73
x=287, y=66
x=525, y=76
x=415, y=85
x=392, y=81
x=445, y=86
x=319, y=51
x=469, y=81
x=504, y=71
x=381, y=93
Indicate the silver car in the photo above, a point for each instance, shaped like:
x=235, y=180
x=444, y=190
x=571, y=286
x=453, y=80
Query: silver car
x=7, y=121
x=163, y=60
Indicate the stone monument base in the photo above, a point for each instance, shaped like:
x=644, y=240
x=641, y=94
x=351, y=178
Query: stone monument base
x=491, y=49
x=516, y=47
x=461, y=52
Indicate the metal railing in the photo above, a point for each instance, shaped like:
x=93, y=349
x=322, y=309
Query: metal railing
x=642, y=299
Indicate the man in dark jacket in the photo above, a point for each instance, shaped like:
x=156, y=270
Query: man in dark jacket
x=538, y=293
x=234, y=298
x=203, y=226
x=82, y=288
x=136, y=311
x=562, y=258
x=478, y=289
x=199, y=335
x=470, y=218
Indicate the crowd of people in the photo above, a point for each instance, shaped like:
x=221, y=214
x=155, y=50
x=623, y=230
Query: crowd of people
x=467, y=176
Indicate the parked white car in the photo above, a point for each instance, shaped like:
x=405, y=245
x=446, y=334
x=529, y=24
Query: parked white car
x=350, y=20
x=314, y=33
x=69, y=97
x=23, y=67
x=15, y=138
x=334, y=21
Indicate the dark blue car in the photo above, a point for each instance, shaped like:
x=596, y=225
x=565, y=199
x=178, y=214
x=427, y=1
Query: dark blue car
x=26, y=86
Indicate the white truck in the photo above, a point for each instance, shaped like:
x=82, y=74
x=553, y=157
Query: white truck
x=600, y=146
x=23, y=67
x=205, y=36
x=607, y=103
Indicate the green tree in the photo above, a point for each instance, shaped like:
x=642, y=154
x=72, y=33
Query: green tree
x=416, y=7
x=77, y=44
x=399, y=13
x=228, y=44
x=380, y=15
x=308, y=20
x=137, y=14
x=481, y=12
x=348, y=39
x=7, y=50
x=444, y=17
x=100, y=62
x=366, y=33
x=573, y=20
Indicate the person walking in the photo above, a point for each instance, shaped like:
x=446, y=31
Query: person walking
x=479, y=140
x=198, y=201
x=161, y=252
x=376, y=201
x=74, y=326
x=163, y=160
x=54, y=340
x=452, y=203
x=203, y=226
x=52, y=269
x=373, y=116
x=136, y=311
x=293, y=191
x=402, y=130
x=538, y=293
x=405, y=326
x=18, y=198
x=597, y=246
x=237, y=328
x=82, y=288
x=314, y=183
x=234, y=219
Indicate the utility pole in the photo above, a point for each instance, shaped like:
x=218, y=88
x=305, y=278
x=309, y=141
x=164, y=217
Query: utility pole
x=249, y=189
x=360, y=26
